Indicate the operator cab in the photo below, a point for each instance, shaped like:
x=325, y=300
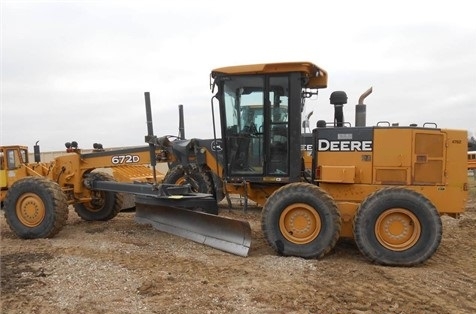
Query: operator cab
x=11, y=158
x=260, y=115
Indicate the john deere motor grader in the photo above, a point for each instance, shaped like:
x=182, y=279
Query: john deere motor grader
x=385, y=186
x=35, y=196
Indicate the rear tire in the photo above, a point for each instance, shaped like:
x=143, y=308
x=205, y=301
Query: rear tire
x=36, y=207
x=300, y=219
x=397, y=227
x=104, y=205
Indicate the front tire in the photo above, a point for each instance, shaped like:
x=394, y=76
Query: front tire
x=199, y=181
x=300, y=219
x=104, y=205
x=397, y=227
x=35, y=207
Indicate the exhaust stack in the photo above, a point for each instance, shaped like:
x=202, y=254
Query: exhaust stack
x=361, y=109
x=36, y=152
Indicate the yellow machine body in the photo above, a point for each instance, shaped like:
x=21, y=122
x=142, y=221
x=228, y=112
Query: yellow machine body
x=69, y=169
x=385, y=186
x=425, y=160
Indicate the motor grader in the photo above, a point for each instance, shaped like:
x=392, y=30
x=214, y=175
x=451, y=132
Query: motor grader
x=385, y=186
x=36, y=196
x=16, y=156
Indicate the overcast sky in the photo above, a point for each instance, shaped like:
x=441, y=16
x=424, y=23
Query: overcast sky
x=78, y=70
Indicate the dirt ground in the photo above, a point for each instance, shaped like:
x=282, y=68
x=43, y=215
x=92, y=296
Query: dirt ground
x=120, y=266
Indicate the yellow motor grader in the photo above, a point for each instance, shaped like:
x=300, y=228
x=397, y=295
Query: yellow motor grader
x=36, y=196
x=385, y=186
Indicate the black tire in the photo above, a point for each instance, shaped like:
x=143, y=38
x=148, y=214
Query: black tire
x=289, y=208
x=218, y=190
x=104, y=205
x=200, y=181
x=35, y=207
x=397, y=227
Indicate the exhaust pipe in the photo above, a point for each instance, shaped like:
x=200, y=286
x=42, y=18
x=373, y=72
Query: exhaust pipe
x=36, y=152
x=361, y=109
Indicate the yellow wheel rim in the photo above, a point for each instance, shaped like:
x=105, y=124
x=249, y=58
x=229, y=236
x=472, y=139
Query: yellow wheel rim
x=30, y=210
x=397, y=229
x=299, y=223
x=97, y=202
x=181, y=181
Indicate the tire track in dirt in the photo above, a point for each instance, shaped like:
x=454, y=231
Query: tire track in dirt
x=119, y=266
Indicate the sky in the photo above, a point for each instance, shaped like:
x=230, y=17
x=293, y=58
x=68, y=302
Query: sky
x=78, y=70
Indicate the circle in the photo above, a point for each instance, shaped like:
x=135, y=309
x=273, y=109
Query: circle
x=300, y=223
x=397, y=229
x=30, y=210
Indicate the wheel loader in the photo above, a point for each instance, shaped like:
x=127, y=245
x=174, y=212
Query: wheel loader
x=385, y=186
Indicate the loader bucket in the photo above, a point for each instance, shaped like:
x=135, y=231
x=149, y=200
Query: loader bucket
x=229, y=235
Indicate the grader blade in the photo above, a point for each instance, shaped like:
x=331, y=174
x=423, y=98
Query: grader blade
x=229, y=235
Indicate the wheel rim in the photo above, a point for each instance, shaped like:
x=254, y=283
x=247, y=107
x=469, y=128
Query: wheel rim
x=97, y=202
x=397, y=229
x=300, y=223
x=30, y=210
x=184, y=181
x=181, y=181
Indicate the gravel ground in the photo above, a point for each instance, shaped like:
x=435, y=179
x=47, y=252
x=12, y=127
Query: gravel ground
x=120, y=266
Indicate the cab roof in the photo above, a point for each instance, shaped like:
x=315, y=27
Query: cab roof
x=316, y=75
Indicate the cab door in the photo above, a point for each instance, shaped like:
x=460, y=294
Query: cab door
x=11, y=161
x=255, y=127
